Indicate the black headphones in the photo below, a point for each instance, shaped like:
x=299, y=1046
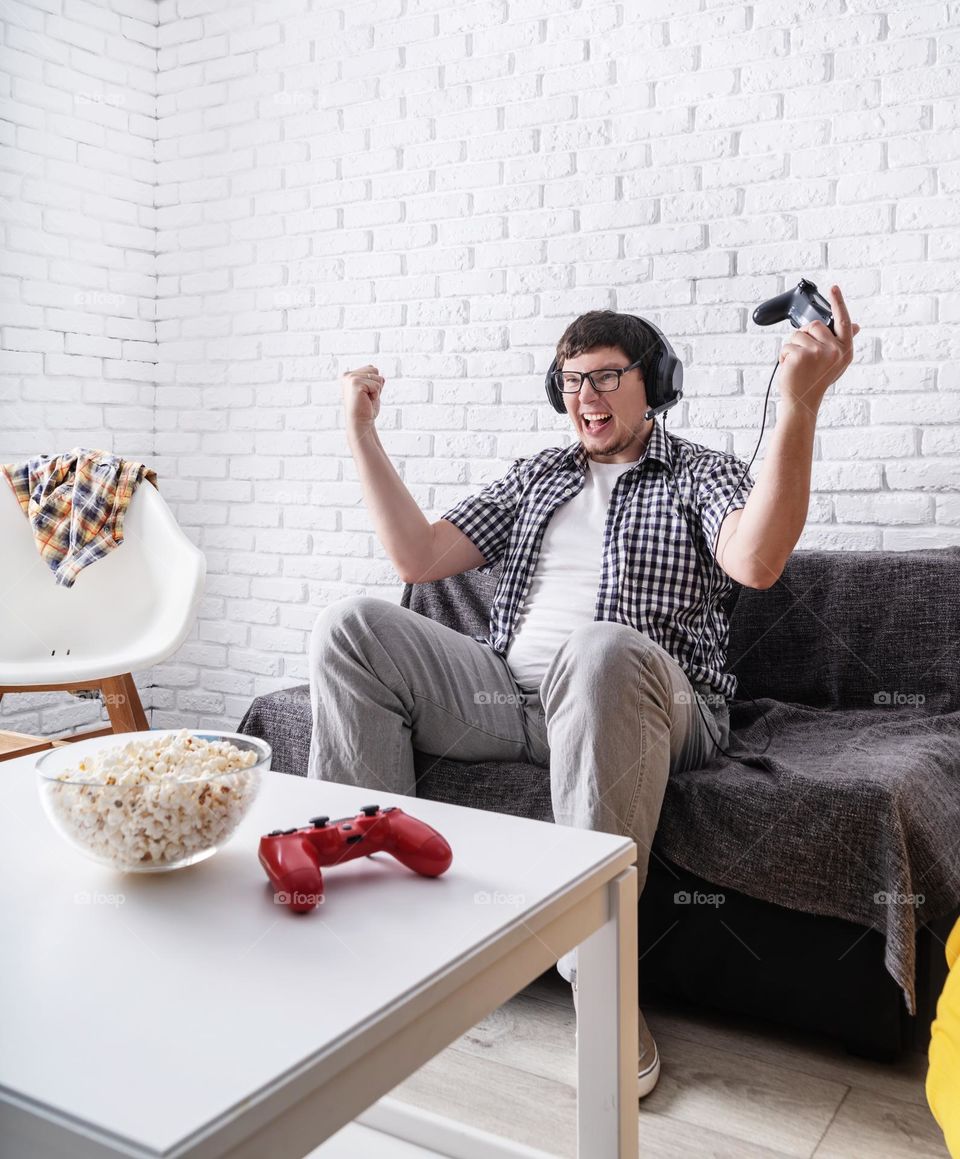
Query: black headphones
x=663, y=381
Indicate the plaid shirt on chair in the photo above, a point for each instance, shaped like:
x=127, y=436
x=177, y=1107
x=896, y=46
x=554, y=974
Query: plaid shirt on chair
x=650, y=579
x=75, y=503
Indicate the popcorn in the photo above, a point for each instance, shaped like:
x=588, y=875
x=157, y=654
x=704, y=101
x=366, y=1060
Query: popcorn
x=154, y=803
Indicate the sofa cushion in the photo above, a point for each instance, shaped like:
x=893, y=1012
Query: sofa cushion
x=852, y=813
x=841, y=629
x=283, y=719
x=499, y=786
x=837, y=630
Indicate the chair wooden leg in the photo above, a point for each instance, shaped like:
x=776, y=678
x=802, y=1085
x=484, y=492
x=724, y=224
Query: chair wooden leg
x=122, y=702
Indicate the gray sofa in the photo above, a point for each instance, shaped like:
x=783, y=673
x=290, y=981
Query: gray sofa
x=810, y=876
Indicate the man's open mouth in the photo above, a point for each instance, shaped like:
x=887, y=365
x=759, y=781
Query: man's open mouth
x=596, y=422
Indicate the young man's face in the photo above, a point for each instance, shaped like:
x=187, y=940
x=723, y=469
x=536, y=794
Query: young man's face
x=623, y=436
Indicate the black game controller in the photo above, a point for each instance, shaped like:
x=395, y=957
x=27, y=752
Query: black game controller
x=800, y=305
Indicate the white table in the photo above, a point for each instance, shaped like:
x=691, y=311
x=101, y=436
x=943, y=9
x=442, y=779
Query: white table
x=192, y=1017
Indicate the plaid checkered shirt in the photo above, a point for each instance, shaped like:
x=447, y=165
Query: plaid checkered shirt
x=654, y=573
x=76, y=503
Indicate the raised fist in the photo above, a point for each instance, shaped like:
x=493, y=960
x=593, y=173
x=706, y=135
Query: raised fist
x=361, y=396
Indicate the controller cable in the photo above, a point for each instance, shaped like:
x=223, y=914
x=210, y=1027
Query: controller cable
x=713, y=563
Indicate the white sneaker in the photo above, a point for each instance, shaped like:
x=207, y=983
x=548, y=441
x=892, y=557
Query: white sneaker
x=648, y=1060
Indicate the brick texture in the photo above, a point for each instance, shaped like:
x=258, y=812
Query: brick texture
x=211, y=210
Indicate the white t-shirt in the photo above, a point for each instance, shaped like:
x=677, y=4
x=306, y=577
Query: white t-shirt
x=563, y=589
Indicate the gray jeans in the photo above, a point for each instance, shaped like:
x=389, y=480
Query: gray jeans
x=613, y=717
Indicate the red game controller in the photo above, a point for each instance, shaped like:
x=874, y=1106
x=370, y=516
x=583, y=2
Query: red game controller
x=293, y=857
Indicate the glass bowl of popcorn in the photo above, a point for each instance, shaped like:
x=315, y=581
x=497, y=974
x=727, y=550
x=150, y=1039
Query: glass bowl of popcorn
x=147, y=802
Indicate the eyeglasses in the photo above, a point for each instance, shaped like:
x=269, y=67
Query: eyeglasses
x=570, y=381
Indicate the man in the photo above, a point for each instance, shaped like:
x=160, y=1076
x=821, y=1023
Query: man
x=592, y=663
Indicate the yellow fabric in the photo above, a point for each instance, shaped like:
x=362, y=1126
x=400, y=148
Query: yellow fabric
x=943, y=1074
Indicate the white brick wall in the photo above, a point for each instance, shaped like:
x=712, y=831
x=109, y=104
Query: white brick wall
x=440, y=189
x=78, y=269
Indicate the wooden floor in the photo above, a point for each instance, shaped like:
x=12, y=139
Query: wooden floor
x=730, y=1088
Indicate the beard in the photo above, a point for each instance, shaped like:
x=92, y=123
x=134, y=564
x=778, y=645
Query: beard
x=613, y=441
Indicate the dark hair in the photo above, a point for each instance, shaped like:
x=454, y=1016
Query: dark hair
x=608, y=328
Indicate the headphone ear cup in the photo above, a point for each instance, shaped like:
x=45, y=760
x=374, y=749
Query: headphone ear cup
x=664, y=380
x=653, y=383
x=673, y=378
x=553, y=395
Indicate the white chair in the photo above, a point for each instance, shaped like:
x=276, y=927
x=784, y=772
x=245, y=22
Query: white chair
x=125, y=612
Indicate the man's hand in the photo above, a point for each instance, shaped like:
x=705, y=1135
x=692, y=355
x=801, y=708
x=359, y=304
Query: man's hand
x=812, y=357
x=361, y=397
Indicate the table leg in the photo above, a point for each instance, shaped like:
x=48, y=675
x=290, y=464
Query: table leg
x=607, y=1043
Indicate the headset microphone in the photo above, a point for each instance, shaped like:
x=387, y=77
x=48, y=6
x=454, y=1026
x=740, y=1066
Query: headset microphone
x=658, y=410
